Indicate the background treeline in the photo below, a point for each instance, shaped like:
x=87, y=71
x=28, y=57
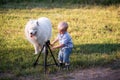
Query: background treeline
x=101, y=2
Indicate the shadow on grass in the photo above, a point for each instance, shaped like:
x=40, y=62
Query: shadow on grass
x=96, y=48
x=19, y=59
x=93, y=55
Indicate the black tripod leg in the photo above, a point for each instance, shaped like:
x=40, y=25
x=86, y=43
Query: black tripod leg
x=35, y=63
x=45, y=58
x=53, y=56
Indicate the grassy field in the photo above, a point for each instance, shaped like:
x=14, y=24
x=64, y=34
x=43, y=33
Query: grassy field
x=95, y=31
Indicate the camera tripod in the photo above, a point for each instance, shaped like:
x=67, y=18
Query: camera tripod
x=47, y=50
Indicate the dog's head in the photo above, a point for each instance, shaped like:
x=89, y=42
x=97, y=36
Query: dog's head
x=33, y=28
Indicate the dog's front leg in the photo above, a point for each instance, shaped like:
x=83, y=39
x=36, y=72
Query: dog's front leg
x=36, y=47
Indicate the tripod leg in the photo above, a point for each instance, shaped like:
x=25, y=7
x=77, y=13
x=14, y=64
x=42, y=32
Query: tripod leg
x=53, y=56
x=35, y=63
x=45, y=58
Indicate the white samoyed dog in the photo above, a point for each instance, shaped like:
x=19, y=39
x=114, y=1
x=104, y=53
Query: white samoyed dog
x=38, y=32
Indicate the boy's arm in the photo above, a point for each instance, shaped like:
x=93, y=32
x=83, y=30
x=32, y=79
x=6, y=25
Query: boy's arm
x=54, y=41
x=58, y=46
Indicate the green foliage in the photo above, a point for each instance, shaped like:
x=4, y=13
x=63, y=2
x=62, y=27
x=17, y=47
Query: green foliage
x=103, y=2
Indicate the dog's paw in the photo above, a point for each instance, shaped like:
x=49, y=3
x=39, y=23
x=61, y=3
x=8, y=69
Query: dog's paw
x=35, y=53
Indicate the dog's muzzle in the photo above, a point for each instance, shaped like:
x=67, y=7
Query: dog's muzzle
x=33, y=34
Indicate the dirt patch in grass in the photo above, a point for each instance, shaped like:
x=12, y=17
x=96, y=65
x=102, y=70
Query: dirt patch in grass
x=99, y=73
x=89, y=74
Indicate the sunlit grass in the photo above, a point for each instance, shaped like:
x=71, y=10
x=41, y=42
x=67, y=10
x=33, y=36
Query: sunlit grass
x=95, y=31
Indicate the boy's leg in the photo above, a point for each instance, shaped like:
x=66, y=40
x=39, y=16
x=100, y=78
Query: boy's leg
x=60, y=57
x=66, y=56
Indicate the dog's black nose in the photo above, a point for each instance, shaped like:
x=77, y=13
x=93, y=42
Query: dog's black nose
x=30, y=33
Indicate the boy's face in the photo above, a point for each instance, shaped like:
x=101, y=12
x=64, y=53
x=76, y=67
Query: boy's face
x=61, y=31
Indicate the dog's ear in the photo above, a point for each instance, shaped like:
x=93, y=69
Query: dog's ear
x=37, y=23
x=31, y=20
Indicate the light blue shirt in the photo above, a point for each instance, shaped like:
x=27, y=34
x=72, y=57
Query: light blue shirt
x=66, y=40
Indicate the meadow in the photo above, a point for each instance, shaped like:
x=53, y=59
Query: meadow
x=95, y=31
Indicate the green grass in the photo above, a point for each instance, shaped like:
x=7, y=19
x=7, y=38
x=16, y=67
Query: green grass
x=95, y=31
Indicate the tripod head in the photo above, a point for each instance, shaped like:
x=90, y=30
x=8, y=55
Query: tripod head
x=47, y=42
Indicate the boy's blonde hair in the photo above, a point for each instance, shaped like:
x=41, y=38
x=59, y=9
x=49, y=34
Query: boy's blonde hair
x=62, y=26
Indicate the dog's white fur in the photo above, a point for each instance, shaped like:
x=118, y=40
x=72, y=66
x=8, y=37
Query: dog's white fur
x=38, y=32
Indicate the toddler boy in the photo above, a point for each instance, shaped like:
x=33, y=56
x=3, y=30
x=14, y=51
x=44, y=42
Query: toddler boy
x=65, y=44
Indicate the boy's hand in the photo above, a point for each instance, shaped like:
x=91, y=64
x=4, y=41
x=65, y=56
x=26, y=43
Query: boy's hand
x=51, y=44
x=53, y=48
